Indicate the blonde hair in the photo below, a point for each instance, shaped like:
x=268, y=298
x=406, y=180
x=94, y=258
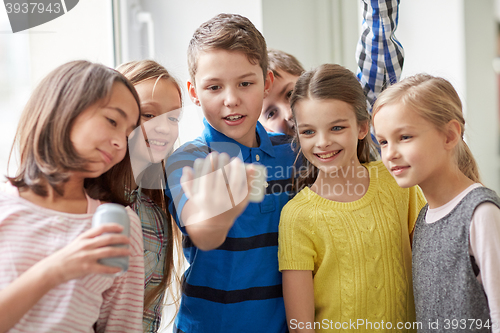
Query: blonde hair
x=282, y=61
x=434, y=99
x=330, y=81
x=43, y=134
x=229, y=32
x=137, y=72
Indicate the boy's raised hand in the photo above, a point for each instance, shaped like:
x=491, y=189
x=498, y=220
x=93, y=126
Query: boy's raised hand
x=217, y=190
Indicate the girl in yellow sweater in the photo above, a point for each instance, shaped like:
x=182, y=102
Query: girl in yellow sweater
x=344, y=240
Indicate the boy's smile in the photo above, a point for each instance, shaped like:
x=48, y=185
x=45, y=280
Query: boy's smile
x=230, y=89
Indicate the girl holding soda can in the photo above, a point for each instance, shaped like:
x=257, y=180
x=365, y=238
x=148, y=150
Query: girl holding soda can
x=72, y=140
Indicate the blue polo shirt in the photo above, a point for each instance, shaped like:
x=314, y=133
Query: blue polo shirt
x=236, y=287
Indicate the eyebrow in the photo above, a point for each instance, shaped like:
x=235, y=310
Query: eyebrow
x=331, y=123
x=212, y=79
x=123, y=114
x=285, y=88
x=404, y=128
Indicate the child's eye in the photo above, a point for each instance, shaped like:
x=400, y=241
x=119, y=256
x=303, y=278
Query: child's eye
x=245, y=84
x=307, y=132
x=213, y=88
x=406, y=137
x=173, y=119
x=271, y=114
x=382, y=142
x=112, y=121
x=148, y=116
x=337, y=128
x=288, y=95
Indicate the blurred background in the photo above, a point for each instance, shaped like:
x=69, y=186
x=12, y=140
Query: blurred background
x=455, y=39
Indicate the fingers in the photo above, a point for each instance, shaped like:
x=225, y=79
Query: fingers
x=108, y=239
x=103, y=269
x=237, y=180
x=187, y=181
x=109, y=252
x=105, y=228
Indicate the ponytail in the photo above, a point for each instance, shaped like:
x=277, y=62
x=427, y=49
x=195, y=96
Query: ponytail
x=466, y=162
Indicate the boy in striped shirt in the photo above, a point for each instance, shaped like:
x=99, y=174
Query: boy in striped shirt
x=233, y=283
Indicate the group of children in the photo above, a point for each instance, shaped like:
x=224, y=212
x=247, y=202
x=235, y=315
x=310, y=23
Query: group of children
x=340, y=241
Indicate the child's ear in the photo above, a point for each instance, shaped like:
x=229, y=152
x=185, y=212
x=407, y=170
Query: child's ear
x=192, y=93
x=453, y=133
x=268, y=83
x=364, y=128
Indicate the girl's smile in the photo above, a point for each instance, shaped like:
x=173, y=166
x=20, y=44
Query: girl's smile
x=327, y=156
x=160, y=114
x=406, y=142
x=99, y=133
x=329, y=133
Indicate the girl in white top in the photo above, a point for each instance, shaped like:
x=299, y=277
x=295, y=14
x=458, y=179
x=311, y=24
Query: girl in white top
x=420, y=126
x=72, y=138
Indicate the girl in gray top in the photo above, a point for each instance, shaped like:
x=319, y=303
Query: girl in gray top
x=456, y=253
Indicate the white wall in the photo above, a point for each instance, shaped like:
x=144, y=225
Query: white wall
x=175, y=23
x=85, y=32
x=314, y=31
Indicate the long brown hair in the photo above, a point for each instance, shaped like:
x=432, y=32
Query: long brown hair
x=434, y=99
x=329, y=81
x=47, y=156
x=137, y=72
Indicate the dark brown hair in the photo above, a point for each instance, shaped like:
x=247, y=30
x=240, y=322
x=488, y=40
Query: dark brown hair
x=137, y=72
x=230, y=32
x=282, y=61
x=47, y=155
x=331, y=82
x=434, y=99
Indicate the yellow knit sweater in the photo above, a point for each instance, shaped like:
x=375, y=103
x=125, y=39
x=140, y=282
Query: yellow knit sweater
x=359, y=253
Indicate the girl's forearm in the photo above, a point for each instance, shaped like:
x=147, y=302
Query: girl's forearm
x=298, y=294
x=23, y=293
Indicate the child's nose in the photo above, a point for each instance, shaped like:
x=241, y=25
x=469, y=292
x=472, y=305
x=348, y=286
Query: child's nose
x=392, y=152
x=119, y=141
x=323, y=140
x=163, y=129
x=288, y=114
x=231, y=98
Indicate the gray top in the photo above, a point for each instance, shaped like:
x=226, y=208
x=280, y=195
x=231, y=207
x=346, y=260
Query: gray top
x=444, y=283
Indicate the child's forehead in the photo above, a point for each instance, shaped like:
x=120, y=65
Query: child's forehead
x=283, y=75
x=218, y=61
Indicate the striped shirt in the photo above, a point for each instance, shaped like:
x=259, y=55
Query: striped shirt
x=236, y=287
x=29, y=233
x=153, y=221
x=379, y=54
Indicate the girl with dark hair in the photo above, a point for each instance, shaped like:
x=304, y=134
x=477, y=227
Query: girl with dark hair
x=72, y=139
x=344, y=239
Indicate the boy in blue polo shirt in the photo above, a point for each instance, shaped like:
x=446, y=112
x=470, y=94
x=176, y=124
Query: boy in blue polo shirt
x=233, y=283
